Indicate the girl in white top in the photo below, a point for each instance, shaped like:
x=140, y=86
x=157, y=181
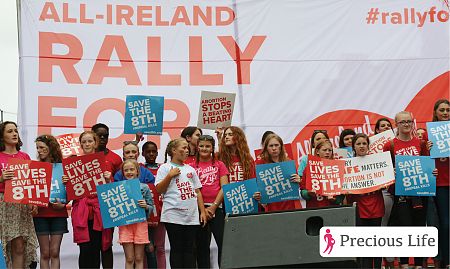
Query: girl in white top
x=183, y=210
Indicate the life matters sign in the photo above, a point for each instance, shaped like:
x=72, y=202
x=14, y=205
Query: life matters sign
x=31, y=182
x=325, y=176
x=238, y=197
x=274, y=182
x=144, y=114
x=216, y=110
x=439, y=134
x=368, y=173
x=85, y=174
x=414, y=176
x=119, y=203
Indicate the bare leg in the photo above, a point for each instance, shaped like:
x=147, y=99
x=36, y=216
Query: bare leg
x=18, y=252
x=55, y=245
x=128, y=248
x=44, y=248
x=139, y=256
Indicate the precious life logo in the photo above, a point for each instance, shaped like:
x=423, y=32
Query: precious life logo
x=368, y=241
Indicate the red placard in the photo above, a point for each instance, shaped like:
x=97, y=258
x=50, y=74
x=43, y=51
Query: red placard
x=31, y=182
x=287, y=148
x=70, y=144
x=85, y=173
x=325, y=176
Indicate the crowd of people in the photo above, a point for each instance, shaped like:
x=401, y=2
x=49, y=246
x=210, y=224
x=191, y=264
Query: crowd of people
x=184, y=196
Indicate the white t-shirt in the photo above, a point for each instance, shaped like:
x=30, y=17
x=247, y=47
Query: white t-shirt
x=180, y=200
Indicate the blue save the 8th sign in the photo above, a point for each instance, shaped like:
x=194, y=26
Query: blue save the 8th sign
x=414, y=176
x=144, y=114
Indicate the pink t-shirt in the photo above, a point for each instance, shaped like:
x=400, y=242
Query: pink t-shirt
x=209, y=175
x=4, y=157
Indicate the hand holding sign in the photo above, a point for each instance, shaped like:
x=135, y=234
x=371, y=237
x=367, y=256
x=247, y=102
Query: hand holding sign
x=439, y=135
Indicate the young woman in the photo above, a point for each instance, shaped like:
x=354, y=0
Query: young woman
x=88, y=230
x=370, y=205
x=383, y=124
x=235, y=154
x=16, y=224
x=51, y=222
x=407, y=210
x=134, y=237
x=191, y=134
x=317, y=136
x=213, y=174
x=324, y=150
x=273, y=152
x=157, y=231
x=441, y=112
x=182, y=204
x=346, y=138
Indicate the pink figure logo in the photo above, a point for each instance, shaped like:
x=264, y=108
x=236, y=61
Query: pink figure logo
x=329, y=240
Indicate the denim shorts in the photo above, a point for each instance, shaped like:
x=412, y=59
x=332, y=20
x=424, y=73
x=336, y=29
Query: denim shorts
x=50, y=226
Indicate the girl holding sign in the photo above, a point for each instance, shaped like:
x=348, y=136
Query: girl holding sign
x=191, y=134
x=181, y=204
x=317, y=136
x=273, y=152
x=213, y=174
x=51, y=222
x=235, y=154
x=88, y=230
x=16, y=224
x=134, y=237
x=370, y=205
x=441, y=112
x=324, y=150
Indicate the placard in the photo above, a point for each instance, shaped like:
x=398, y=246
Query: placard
x=70, y=144
x=238, y=197
x=343, y=153
x=325, y=176
x=144, y=114
x=119, y=203
x=31, y=182
x=439, y=134
x=368, y=173
x=57, y=189
x=376, y=142
x=274, y=182
x=216, y=110
x=85, y=174
x=414, y=176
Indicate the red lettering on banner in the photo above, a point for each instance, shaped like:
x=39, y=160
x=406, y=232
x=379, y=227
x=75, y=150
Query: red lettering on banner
x=46, y=119
x=102, y=69
x=49, y=12
x=127, y=69
x=242, y=59
x=155, y=77
x=65, y=62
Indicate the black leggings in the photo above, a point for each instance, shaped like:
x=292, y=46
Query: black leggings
x=407, y=212
x=90, y=251
x=182, y=242
x=215, y=226
x=365, y=262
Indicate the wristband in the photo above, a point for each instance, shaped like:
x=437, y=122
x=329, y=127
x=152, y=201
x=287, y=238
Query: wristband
x=216, y=204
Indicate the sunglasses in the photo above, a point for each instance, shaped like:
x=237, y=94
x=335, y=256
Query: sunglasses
x=320, y=131
x=125, y=143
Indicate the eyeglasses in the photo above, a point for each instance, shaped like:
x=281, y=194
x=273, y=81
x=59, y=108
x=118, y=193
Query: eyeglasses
x=125, y=143
x=405, y=122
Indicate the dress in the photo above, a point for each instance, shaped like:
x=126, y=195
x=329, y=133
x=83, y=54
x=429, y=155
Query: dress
x=15, y=219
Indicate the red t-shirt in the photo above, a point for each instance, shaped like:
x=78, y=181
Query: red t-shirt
x=442, y=165
x=152, y=167
x=237, y=171
x=4, y=157
x=413, y=147
x=370, y=206
x=317, y=200
x=113, y=162
x=50, y=212
x=209, y=175
x=190, y=159
x=279, y=206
